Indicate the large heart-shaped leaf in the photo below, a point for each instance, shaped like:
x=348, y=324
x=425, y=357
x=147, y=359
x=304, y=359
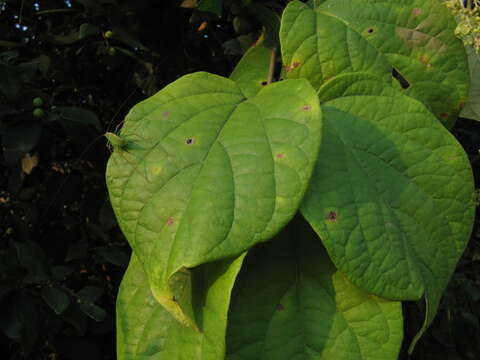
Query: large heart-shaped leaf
x=291, y=303
x=204, y=174
x=146, y=331
x=392, y=192
x=415, y=36
x=318, y=46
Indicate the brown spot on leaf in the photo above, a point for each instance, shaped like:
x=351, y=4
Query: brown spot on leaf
x=170, y=221
x=461, y=105
x=174, y=299
x=306, y=107
x=423, y=59
x=416, y=11
x=280, y=307
x=280, y=156
x=166, y=114
x=444, y=115
x=332, y=216
x=296, y=64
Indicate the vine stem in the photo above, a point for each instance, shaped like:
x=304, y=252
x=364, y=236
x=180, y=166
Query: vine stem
x=271, y=69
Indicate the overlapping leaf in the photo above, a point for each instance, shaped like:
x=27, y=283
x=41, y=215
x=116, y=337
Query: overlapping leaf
x=205, y=174
x=146, y=331
x=251, y=72
x=291, y=303
x=318, y=46
x=392, y=192
x=415, y=37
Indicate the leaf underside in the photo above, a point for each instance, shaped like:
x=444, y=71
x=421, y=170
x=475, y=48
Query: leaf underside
x=290, y=302
x=212, y=173
x=146, y=331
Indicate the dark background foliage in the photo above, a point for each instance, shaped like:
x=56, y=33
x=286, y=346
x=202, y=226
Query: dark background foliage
x=62, y=255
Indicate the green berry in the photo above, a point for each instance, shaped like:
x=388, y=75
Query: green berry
x=108, y=34
x=38, y=113
x=38, y=102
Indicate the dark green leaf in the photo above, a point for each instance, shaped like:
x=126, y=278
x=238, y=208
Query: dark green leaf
x=10, y=81
x=213, y=6
x=270, y=21
x=79, y=115
x=113, y=255
x=19, y=139
x=77, y=251
x=87, y=30
x=56, y=299
x=33, y=259
x=60, y=272
x=90, y=293
x=93, y=311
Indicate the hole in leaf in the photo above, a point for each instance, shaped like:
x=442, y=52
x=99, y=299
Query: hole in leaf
x=399, y=77
x=189, y=141
x=370, y=30
x=332, y=216
x=264, y=83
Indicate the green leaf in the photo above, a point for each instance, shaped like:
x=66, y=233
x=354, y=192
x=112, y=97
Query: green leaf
x=145, y=330
x=90, y=293
x=251, y=72
x=392, y=193
x=19, y=139
x=33, y=259
x=415, y=36
x=11, y=83
x=82, y=116
x=213, y=6
x=87, y=30
x=212, y=174
x=290, y=302
x=318, y=46
x=56, y=299
x=472, y=106
x=93, y=311
x=113, y=255
x=270, y=22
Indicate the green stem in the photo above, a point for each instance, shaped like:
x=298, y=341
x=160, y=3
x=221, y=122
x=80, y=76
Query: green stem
x=271, y=69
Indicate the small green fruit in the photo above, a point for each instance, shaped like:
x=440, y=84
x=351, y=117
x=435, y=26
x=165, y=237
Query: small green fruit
x=112, y=51
x=38, y=113
x=38, y=102
x=108, y=34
